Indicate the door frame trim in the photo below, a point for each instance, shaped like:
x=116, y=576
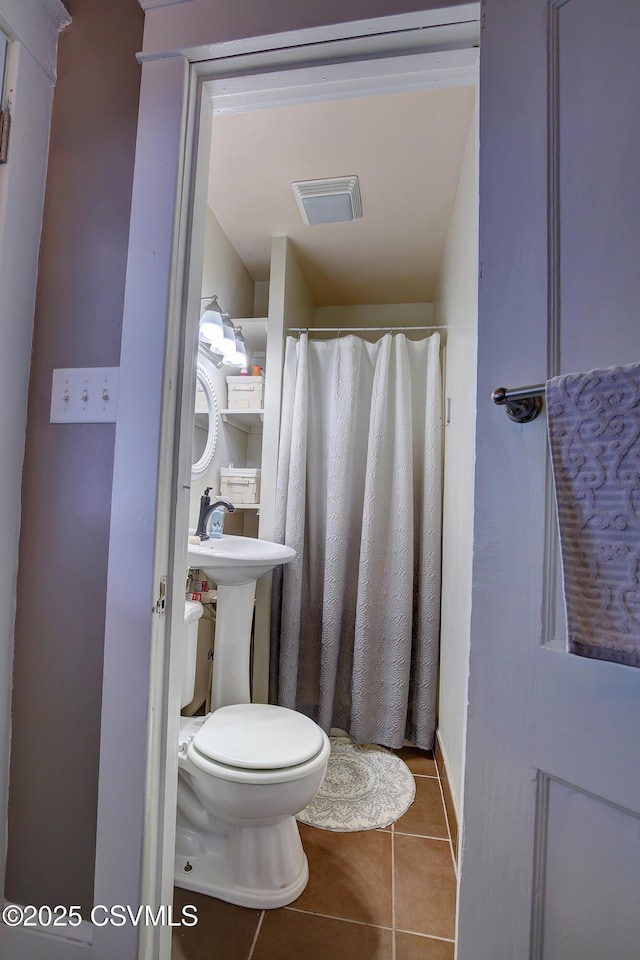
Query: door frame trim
x=32, y=28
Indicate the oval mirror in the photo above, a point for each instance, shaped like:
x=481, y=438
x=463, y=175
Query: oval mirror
x=205, y=426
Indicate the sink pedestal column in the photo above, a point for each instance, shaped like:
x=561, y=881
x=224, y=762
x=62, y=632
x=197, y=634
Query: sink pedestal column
x=232, y=645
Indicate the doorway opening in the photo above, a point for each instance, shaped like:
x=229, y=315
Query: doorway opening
x=415, y=153
x=386, y=61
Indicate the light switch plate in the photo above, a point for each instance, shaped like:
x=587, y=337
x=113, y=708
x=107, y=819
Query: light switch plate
x=84, y=395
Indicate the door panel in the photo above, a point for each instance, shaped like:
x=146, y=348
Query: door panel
x=551, y=828
x=581, y=914
x=599, y=201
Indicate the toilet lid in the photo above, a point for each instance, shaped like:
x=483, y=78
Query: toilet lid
x=258, y=736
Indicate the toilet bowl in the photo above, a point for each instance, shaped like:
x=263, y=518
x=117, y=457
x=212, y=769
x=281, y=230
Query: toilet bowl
x=244, y=772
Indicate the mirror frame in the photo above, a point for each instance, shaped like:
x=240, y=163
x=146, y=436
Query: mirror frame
x=202, y=465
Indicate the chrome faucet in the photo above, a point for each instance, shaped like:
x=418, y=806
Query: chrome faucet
x=205, y=516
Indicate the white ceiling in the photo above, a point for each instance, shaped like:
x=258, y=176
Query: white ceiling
x=405, y=148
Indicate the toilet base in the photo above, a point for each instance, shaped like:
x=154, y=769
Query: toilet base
x=263, y=867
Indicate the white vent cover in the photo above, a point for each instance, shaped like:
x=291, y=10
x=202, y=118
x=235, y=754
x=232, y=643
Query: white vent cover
x=328, y=201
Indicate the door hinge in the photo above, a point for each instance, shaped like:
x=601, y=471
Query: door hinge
x=159, y=604
x=5, y=124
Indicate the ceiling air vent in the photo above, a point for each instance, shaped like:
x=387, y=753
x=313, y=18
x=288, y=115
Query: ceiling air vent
x=328, y=201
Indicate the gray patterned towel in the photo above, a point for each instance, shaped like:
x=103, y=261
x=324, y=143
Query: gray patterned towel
x=594, y=435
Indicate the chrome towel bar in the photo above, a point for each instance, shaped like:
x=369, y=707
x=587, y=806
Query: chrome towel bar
x=521, y=405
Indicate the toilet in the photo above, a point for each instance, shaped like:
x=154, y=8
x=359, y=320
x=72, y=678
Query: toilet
x=244, y=772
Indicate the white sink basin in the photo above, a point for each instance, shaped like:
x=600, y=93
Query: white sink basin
x=233, y=560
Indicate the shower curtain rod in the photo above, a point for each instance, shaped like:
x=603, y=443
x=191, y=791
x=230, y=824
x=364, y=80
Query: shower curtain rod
x=387, y=328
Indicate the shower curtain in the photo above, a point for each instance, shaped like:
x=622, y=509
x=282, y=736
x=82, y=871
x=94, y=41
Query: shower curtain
x=355, y=617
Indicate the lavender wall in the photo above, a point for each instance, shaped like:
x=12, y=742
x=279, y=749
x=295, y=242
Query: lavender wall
x=66, y=492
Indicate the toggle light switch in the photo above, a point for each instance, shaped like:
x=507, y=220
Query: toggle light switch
x=84, y=395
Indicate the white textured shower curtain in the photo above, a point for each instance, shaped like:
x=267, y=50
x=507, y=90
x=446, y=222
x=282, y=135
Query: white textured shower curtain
x=356, y=615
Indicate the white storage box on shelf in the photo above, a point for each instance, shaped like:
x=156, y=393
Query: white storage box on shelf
x=245, y=393
x=240, y=484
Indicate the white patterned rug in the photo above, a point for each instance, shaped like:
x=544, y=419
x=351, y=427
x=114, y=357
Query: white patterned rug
x=365, y=788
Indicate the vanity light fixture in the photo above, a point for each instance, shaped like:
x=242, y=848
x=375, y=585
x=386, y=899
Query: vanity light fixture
x=220, y=335
x=227, y=344
x=238, y=357
x=211, y=326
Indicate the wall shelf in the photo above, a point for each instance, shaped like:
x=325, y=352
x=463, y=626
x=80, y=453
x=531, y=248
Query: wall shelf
x=249, y=421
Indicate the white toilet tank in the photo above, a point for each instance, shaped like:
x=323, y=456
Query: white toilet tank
x=192, y=613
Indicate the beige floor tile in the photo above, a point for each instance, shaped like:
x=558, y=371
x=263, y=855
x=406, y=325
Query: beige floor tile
x=289, y=935
x=425, y=816
x=410, y=946
x=223, y=930
x=420, y=762
x=425, y=886
x=349, y=874
x=350, y=880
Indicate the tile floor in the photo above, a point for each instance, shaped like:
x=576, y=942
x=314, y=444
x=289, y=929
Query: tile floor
x=376, y=895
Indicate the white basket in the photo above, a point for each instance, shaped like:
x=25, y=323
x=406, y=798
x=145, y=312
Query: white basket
x=240, y=484
x=245, y=393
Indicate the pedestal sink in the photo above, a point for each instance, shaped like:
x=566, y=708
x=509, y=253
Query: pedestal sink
x=234, y=564
x=235, y=560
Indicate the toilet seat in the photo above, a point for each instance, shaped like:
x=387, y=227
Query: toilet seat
x=258, y=743
x=258, y=736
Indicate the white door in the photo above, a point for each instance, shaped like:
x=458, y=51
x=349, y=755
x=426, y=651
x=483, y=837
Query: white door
x=551, y=848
